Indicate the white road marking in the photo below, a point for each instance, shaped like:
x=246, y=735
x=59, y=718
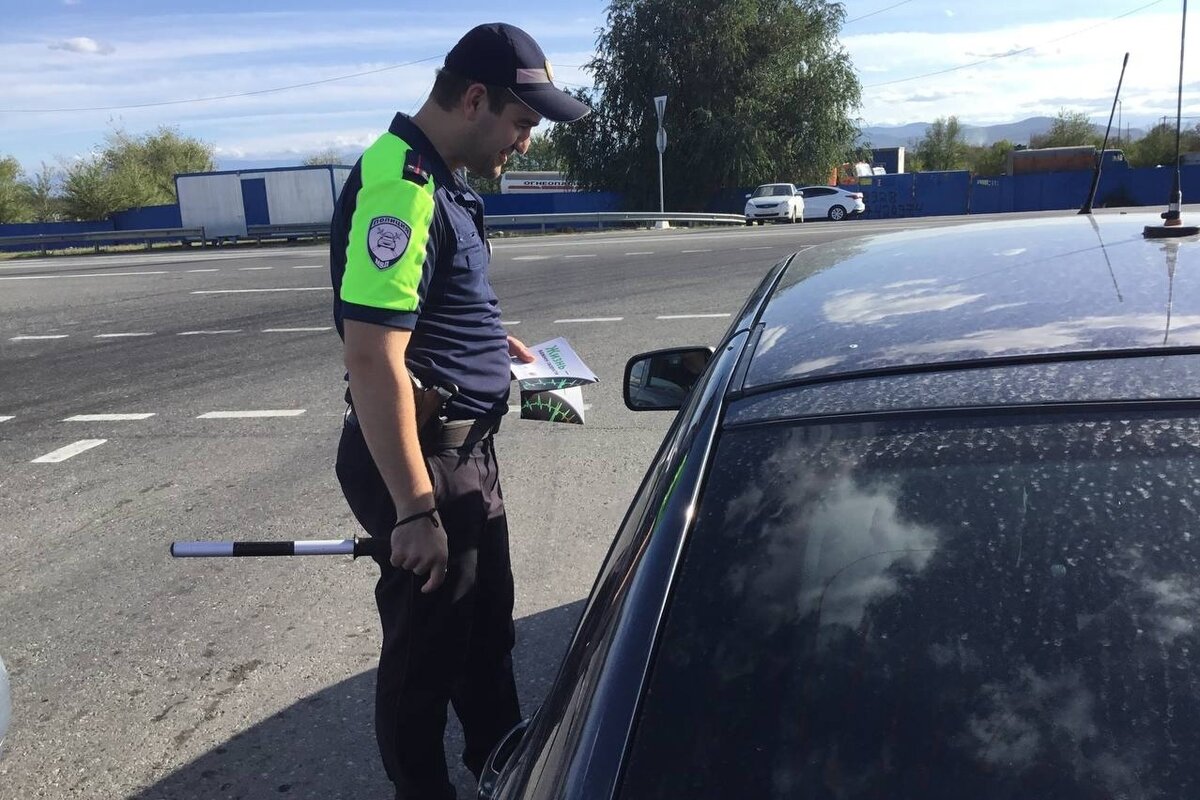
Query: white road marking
x=530, y=258
x=6, y=417
x=297, y=330
x=708, y=250
x=693, y=316
x=253, y=269
x=120, y=335
x=206, y=333
x=70, y=451
x=589, y=319
x=581, y=255
x=28, y=337
x=293, y=412
x=763, y=247
x=310, y=266
x=213, y=269
x=248, y=291
x=510, y=322
x=641, y=253
x=87, y=275
x=108, y=417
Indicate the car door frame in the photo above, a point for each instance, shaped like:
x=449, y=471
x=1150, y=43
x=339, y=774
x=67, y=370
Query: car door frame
x=575, y=745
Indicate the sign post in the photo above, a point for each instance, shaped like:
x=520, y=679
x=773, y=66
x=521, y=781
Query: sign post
x=660, y=107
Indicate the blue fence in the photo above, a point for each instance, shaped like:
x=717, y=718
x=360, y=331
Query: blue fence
x=940, y=193
x=552, y=203
x=887, y=197
x=141, y=219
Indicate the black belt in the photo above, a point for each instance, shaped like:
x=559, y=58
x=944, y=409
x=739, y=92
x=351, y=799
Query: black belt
x=446, y=434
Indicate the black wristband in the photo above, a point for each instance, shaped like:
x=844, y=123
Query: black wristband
x=431, y=514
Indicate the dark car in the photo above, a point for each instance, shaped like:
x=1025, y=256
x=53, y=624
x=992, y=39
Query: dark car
x=926, y=527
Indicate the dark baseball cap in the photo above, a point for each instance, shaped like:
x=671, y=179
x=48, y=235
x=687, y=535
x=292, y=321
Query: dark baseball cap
x=499, y=54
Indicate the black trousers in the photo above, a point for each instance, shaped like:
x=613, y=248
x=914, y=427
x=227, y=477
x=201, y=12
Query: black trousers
x=453, y=645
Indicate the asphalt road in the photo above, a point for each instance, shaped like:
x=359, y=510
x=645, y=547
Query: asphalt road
x=135, y=675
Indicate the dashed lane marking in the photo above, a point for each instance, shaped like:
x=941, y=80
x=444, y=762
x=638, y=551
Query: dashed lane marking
x=211, y=269
x=510, y=322
x=206, y=333
x=581, y=255
x=706, y=250
x=310, y=266
x=259, y=414
x=108, y=417
x=589, y=319
x=693, y=316
x=6, y=417
x=297, y=330
x=760, y=247
x=530, y=258
x=250, y=291
x=253, y=269
x=641, y=253
x=120, y=335
x=86, y=275
x=29, y=337
x=70, y=451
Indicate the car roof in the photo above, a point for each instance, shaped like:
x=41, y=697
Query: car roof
x=982, y=291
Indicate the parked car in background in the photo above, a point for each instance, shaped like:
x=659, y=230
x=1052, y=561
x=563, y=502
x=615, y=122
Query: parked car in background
x=927, y=527
x=775, y=201
x=832, y=202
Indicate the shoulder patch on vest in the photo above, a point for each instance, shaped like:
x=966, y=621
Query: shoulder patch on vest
x=387, y=239
x=414, y=170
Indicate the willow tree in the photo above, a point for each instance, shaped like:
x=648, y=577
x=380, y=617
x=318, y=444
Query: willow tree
x=758, y=91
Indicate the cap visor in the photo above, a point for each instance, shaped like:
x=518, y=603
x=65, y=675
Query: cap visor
x=552, y=103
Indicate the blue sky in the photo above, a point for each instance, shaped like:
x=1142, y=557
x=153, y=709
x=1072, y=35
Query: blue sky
x=76, y=54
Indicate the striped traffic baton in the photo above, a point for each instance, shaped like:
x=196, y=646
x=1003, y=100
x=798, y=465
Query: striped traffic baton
x=369, y=546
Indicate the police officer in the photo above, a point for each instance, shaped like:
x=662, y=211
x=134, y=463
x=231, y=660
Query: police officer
x=428, y=365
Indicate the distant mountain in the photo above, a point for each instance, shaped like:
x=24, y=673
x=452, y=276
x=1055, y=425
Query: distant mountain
x=1015, y=132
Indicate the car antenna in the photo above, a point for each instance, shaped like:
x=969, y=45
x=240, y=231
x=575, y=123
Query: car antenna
x=1091, y=197
x=1173, y=226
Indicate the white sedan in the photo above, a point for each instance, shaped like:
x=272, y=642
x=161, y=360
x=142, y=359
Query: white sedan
x=832, y=202
x=779, y=201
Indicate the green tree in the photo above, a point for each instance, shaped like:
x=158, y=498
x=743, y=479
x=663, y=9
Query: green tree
x=14, y=192
x=43, y=203
x=541, y=155
x=89, y=192
x=1069, y=129
x=1158, y=145
x=943, y=146
x=990, y=160
x=758, y=91
x=323, y=157
x=131, y=171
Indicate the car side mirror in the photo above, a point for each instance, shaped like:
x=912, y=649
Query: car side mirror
x=489, y=778
x=660, y=380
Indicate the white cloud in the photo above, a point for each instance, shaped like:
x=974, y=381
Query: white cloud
x=83, y=44
x=1083, y=54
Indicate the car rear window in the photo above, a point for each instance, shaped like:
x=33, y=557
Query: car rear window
x=985, y=608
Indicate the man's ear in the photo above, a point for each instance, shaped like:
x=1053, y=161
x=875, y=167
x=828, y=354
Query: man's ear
x=474, y=101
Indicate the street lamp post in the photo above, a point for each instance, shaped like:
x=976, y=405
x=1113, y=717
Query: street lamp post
x=660, y=140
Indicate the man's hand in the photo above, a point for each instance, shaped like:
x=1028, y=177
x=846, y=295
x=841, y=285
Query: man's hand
x=420, y=546
x=518, y=350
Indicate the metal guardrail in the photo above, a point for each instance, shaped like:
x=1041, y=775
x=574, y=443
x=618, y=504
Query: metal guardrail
x=292, y=230
x=49, y=241
x=321, y=230
x=602, y=218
